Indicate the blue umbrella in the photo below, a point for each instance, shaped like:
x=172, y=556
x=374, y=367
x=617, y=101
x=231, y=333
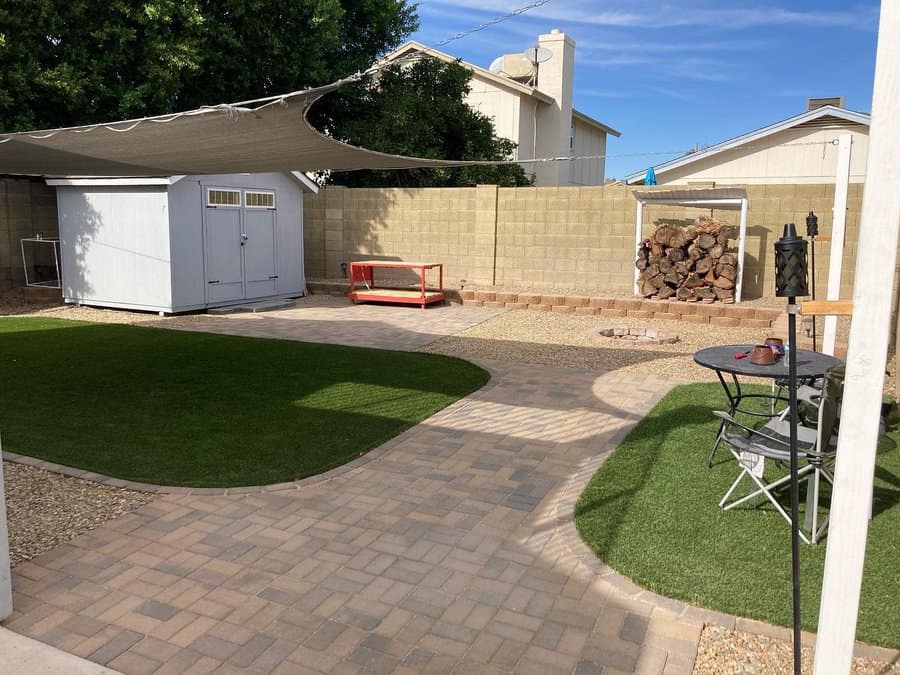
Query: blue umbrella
x=650, y=178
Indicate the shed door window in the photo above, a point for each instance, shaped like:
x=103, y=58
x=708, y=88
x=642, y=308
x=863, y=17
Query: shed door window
x=259, y=200
x=216, y=197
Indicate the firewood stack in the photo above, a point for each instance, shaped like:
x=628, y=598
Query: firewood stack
x=688, y=263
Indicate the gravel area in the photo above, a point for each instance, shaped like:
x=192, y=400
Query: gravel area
x=569, y=340
x=724, y=651
x=45, y=509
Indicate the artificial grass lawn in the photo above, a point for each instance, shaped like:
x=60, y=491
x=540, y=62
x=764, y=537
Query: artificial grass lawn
x=651, y=513
x=185, y=408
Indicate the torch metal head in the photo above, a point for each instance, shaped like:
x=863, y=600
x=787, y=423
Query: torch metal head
x=790, y=264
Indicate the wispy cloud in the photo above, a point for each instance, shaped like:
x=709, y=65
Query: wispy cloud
x=668, y=15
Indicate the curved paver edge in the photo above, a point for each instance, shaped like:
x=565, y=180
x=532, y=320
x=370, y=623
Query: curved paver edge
x=327, y=476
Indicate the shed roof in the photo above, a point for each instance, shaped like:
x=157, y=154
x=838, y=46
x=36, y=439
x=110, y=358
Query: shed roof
x=819, y=114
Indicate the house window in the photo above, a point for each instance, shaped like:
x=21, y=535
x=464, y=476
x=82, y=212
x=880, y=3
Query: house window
x=216, y=197
x=259, y=200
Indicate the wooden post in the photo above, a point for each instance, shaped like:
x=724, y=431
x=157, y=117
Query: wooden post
x=5, y=577
x=867, y=354
x=638, y=231
x=838, y=229
x=742, y=247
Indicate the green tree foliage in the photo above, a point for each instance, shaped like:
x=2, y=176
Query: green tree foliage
x=83, y=61
x=418, y=109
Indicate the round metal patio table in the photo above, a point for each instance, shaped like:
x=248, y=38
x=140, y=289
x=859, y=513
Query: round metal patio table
x=721, y=359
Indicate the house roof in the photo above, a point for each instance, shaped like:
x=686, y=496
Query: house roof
x=590, y=121
x=821, y=114
x=412, y=46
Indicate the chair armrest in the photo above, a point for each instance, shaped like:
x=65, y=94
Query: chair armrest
x=730, y=421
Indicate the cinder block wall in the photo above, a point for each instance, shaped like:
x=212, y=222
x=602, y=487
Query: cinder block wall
x=27, y=208
x=579, y=238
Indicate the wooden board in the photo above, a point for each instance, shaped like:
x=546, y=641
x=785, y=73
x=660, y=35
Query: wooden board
x=827, y=307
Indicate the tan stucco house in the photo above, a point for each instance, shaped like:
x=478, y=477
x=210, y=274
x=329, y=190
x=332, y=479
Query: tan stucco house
x=800, y=149
x=536, y=113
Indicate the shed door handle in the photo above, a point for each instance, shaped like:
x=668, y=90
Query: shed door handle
x=274, y=276
x=215, y=281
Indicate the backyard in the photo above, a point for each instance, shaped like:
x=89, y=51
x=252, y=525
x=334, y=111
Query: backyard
x=462, y=488
x=197, y=409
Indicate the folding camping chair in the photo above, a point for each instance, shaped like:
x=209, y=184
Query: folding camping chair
x=816, y=451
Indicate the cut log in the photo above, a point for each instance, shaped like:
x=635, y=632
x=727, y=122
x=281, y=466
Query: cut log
x=728, y=259
x=654, y=259
x=726, y=271
x=665, y=293
x=724, y=293
x=657, y=250
x=670, y=235
x=646, y=287
x=705, y=293
x=658, y=281
x=706, y=241
x=723, y=282
x=684, y=293
x=672, y=278
x=716, y=251
x=695, y=252
x=693, y=281
x=676, y=254
x=710, y=276
x=682, y=268
x=641, y=263
x=703, y=265
x=643, y=252
x=665, y=265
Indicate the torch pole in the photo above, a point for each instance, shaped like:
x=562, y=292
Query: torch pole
x=795, y=487
x=812, y=263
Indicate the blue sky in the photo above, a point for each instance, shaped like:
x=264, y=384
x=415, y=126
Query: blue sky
x=669, y=75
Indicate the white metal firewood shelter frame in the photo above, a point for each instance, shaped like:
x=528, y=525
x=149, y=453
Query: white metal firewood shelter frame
x=732, y=199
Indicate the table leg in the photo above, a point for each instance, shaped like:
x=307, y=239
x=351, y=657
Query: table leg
x=733, y=401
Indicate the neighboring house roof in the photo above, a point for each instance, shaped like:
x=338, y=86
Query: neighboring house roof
x=518, y=87
x=590, y=121
x=818, y=114
x=504, y=82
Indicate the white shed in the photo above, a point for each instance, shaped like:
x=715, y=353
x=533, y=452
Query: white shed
x=181, y=243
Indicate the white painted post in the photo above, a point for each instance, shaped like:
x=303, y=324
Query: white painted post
x=742, y=246
x=638, y=231
x=5, y=577
x=867, y=355
x=838, y=230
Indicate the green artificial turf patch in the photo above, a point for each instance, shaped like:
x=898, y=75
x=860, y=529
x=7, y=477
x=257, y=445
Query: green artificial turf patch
x=651, y=513
x=185, y=408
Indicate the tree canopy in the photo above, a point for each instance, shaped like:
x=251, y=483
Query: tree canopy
x=83, y=61
x=419, y=109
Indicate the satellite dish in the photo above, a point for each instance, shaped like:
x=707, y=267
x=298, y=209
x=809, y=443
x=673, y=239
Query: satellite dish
x=496, y=66
x=537, y=54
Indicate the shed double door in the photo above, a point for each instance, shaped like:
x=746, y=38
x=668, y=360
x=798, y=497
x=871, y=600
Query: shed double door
x=240, y=244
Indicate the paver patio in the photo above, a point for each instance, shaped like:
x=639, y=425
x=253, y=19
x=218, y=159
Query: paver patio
x=322, y=318
x=449, y=549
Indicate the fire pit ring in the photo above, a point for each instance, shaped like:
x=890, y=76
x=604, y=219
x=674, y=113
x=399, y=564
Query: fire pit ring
x=640, y=336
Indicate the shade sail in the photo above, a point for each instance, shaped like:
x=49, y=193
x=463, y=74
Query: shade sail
x=250, y=137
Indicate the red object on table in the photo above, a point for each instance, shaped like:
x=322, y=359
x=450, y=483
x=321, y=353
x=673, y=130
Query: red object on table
x=363, y=272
